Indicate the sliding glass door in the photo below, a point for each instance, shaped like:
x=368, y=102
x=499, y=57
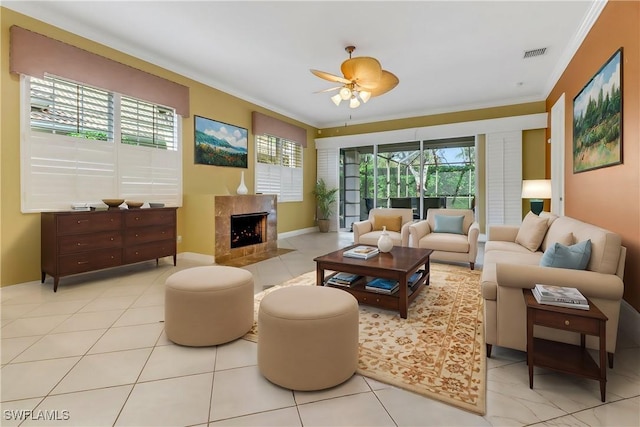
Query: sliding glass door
x=420, y=175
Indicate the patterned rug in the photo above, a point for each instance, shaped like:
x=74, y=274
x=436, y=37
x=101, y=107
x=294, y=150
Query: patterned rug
x=438, y=351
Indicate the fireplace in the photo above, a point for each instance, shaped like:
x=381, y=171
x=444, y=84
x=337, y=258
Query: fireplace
x=248, y=229
x=254, y=218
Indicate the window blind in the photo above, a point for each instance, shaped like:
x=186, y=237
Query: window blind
x=504, y=177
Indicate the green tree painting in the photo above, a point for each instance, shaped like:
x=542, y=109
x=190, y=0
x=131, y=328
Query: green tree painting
x=597, y=119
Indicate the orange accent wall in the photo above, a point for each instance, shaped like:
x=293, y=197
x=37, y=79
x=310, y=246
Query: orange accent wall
x=608, y=197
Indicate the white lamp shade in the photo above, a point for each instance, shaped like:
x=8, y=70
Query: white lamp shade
x=345, y=93
x=354, y=103
x=536, y=189
x=336, y=99
x=364, y=95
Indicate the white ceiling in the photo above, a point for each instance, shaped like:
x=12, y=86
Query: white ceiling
x=448, y=55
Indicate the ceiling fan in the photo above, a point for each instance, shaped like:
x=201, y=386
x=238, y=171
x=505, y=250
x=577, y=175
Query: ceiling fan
x=363, y=79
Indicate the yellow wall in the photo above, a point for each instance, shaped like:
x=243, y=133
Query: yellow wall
x=20, y=233
x=533, y=161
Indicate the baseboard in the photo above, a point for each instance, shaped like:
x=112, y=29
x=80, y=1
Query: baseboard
x=194, y=256
x=299, y=232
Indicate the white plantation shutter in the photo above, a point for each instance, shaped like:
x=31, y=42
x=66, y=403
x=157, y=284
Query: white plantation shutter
x=149, y=174
x=62, y=164
x=57, y=172
x=504, y=178
x=328, y=162
x=279, y=168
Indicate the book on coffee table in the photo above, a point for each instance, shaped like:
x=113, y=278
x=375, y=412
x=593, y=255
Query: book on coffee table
x=362, y=252
x=383, y=286
x=343, y=279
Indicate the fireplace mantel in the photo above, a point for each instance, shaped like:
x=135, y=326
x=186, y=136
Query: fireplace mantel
x=225, y=206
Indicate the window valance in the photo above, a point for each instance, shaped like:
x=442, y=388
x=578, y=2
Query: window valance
x=265, y=125
x=34, y=54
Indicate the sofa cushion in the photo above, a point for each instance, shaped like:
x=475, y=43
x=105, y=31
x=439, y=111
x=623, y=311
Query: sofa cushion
x=372, y=237
x=449, y=224
x=532, y=231
x=501, y=245
x=446, y=242
x=392, y=223
x=575, y=257
x=605, y=245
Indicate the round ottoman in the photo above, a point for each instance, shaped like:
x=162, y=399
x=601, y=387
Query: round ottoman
x=208, y=305
x=308, y=337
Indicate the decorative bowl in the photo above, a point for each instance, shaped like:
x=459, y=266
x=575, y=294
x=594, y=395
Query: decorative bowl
x=133, y=205
x=156, y=205
x=113, y=203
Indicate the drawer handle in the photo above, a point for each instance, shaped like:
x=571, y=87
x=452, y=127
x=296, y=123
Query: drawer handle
x=83, y=262
x=82, y=220
x=136, y=234
x=81, y=244
x=137, y=218
x=566, y=323
x=112, y=239
x=137, y=253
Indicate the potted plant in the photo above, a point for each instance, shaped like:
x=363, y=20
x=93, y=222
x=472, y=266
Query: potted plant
x=325, y=198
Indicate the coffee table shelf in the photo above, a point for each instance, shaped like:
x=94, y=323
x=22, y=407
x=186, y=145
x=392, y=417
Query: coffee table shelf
x=399, y=264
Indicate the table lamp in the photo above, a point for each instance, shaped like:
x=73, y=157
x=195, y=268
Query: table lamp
x=536, y=190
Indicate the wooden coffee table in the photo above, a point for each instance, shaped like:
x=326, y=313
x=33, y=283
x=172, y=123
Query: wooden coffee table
x=399, y=264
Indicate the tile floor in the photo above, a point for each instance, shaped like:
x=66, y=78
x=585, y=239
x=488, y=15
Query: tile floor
x=94, y=354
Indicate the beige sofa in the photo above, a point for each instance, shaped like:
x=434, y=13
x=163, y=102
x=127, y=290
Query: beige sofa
x=452, y=247
x=396, y=220
x=509, y=267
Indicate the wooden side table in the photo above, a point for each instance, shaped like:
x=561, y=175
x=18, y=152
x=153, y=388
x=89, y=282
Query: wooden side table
x=562, y=357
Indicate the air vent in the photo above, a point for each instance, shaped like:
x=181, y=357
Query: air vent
x=535, y=52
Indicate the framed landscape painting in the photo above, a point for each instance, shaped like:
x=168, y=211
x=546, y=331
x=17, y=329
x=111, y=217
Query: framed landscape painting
x=597, y=119
x=219, y=144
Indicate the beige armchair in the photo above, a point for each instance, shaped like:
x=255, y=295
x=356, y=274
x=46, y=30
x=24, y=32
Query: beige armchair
x=452, y=234
x=396, y=220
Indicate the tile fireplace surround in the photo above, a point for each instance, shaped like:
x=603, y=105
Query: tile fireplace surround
x=225, y=206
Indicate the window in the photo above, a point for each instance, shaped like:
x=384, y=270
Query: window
x=81, y=144
x=279, y=168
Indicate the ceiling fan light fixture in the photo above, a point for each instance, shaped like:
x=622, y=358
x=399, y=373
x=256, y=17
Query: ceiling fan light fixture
x=336, y=99
x=354, y=103
x=364, y=95
x=345, y=93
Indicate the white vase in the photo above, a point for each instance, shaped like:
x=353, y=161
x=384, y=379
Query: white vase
x=385, y=244
x=242, y=189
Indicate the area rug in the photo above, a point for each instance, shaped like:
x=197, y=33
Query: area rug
x=438, y=351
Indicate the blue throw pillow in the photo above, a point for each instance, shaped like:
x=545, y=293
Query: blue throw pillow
x=448, y=224
x=575, y=257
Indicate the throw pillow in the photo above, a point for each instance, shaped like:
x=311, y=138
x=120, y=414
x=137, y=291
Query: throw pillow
x=575, y=257
x=532, y=231
x=393, y=223
x=448, y=224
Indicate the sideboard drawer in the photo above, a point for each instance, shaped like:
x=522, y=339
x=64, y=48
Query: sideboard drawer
x=88, y=261
x=86, y=222
x=138, y=235
x=149, y=251
x=147, y=217
x=87, y=242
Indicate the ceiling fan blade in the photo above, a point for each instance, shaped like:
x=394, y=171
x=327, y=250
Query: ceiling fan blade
x=386, y=83
x=329, y=90
x=363, y=70
x=330, y=77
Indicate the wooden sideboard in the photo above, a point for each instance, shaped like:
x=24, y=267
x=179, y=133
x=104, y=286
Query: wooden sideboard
x=78, y=242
